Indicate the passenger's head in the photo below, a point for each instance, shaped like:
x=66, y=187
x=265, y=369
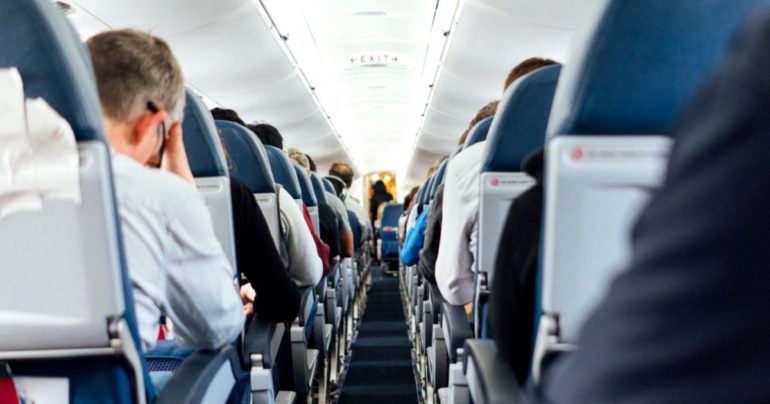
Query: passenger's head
x=526, y=67
x=311, y=162
x=485, y=112
x=267, y=134
x=141, y=90
x=343, y=172
x=223, y=114
x=379, y=188
x=298, y=157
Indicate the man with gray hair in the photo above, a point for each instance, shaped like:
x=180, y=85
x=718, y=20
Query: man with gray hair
x=176, y=265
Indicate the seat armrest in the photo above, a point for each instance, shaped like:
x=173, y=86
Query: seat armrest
x=490, y=379
x=436, y=301
x=204, y=374
x=262, y=338
x=456, y=328
x=307, y=298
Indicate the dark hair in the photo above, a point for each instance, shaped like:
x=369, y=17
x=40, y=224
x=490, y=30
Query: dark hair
x=408, y=198
x=525, y=67
x=267, y=134
x=224, y=114
x=344, y=172
x=379, y=188
x=312, y=163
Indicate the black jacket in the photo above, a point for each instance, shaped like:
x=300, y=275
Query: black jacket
x=277, y=296
x=512, y=301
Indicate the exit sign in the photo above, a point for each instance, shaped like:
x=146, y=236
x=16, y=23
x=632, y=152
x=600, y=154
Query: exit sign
x=369, y=59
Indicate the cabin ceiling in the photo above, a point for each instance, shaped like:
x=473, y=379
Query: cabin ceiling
x=387, y=85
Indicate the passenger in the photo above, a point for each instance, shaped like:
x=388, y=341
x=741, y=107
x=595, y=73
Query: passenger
x=329, y=221
x=346, y=174
x=408, y=201
x=305, y=267
x=267, y=134
x=176, y=265
x=268, y=291
x=346, y=233
x=510, y=318
x=322, y=249
x=681, y=324
x=380, y=196
x=456, y=257
x=222, y=114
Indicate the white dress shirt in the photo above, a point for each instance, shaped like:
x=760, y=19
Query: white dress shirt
x=456, y=259
x=305, y=267
x=176, y=265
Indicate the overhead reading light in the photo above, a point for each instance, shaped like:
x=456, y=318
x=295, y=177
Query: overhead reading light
x=370, y=13
x=66, y=8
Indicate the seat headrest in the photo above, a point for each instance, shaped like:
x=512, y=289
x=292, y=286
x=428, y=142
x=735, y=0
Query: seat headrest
x=638, y=62
x=390, y=214
x=283, y=171
x=426, y=196
x=519, y=126
x=318, y=188
x=38, y=40
x=328, y=186
x=247, y=158
x=308, y=194
x=201, y=140
x=440, y=174
x=478, y=133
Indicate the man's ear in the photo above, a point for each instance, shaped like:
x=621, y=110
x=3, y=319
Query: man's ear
x=145, y=125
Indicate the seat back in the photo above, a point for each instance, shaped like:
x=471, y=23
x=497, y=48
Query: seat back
x=209, y=167
x=318, y=188
x=71, y=253
x=439, y=178
x=617, y=99
x=427, y=196
x=355, y=226
x=248, y=162
x=283, y=172
x=328, y=186
x=389, y=230
x=478, y=133
x=517, y=130
x=308, y=196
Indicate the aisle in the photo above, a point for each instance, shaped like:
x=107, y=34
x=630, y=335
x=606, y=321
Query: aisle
x=381, y=366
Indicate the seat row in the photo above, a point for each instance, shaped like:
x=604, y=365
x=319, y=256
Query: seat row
x=603, y=123
x=71, y=255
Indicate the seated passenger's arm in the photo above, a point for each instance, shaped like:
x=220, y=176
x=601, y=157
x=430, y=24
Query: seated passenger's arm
x=204, y=304
x=175, y=156
x=346, y=244
x=277, y=298
x=305, y=267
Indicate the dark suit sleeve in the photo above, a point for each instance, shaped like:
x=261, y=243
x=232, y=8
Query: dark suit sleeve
x=277, y=296
x=688, y=320
x=330, y=233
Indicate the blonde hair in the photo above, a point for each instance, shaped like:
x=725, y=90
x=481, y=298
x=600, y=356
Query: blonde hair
x=299, y=157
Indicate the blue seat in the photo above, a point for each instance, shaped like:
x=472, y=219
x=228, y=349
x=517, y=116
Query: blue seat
x=97, y=349
x=209, y=167
x=615, y=104
x=308, y=196
x=248, y=162
x=318, y=188
x=478, y=133
x=328, y=186
x=388, y=230
x=518, y=129
x=283, y=172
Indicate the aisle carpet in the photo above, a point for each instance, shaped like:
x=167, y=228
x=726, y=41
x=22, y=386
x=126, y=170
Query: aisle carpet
x=381, y=365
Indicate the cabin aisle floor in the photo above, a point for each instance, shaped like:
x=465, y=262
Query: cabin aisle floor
x=380, y=369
